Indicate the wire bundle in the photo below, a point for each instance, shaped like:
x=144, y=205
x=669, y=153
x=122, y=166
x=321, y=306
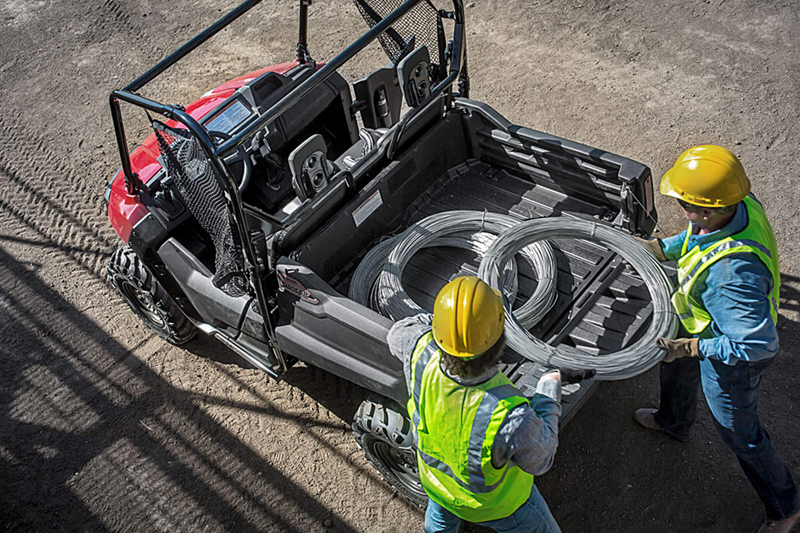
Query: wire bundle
x=395, y=303
x=625, y=363
x=363, y=282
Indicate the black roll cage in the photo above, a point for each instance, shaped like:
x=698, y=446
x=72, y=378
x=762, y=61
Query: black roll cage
x=215, y=153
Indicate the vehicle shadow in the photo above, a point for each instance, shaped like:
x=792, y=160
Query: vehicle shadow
x=90, y=435
x=335, y=394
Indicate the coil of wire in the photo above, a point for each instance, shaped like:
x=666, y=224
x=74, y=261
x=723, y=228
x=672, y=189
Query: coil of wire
x=622, y=364
x=395, y=303
x=363, y=281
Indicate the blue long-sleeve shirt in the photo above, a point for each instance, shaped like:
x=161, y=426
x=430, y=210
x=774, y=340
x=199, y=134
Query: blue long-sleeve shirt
x=735, y=291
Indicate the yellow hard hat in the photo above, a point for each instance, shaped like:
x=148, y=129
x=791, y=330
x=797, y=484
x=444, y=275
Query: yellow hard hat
x=708, y=176
x=468, y=317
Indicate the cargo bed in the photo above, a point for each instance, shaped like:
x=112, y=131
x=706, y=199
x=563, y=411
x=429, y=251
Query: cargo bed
x=600, y=306
x=473, y=159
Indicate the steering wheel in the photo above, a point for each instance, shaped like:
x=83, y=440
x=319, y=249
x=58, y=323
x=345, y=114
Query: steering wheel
x=239, y=155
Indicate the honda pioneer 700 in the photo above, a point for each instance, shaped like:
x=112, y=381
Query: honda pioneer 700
x=246, y=213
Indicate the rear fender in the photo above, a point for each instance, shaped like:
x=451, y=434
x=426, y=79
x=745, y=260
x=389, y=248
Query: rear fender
x=332, y=332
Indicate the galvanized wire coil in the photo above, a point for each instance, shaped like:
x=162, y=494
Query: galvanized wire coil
x=396, y=304
x=625, y=363
x=363, y=281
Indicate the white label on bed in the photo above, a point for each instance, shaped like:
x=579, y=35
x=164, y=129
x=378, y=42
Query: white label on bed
x=363, y=211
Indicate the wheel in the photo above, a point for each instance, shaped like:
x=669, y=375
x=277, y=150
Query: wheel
x=147, y=298
x=383, y=431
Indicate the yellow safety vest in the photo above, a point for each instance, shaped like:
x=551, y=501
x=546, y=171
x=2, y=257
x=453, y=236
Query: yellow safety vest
x=454, y=429
x=756, y=238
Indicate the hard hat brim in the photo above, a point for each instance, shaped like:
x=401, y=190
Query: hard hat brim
x=706, y=176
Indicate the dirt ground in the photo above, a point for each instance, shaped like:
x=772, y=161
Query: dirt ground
x=104, y=427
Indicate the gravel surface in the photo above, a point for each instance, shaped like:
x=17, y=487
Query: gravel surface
x=104, y=427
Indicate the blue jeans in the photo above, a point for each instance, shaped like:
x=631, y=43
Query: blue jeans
x=732, y=396
x=533, y=516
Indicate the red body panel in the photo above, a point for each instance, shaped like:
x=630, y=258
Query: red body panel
x=125, y=210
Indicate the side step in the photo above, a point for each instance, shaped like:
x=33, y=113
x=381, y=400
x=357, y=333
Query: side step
x=249, y=354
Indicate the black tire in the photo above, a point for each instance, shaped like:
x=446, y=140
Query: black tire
x=383, y=431
x=147, y=298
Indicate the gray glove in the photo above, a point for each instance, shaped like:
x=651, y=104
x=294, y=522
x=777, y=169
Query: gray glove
x=651, y=246
x=679, y=348
x=568, y=376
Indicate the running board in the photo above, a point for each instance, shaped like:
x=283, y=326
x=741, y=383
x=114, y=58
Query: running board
x=249, y=356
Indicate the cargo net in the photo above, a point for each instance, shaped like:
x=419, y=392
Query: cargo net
x=187, y=164
x=422, y=25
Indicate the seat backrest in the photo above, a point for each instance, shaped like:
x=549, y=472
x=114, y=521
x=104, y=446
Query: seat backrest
x=326, y=108
x=311, y=217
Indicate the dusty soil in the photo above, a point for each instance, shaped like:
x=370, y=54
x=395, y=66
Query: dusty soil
x=104, y=427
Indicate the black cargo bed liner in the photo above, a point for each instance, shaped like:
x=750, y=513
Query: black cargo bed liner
x=600, y=307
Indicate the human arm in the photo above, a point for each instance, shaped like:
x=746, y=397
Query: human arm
x=403, y=337
x=736, y=294
x=672, y=246
x=653, y=246
x=529, y=434
x=668, y=249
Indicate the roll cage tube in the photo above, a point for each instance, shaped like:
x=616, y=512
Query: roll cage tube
x=303, y=57
x=215, y=153
x=229, y=185
x=348, y=53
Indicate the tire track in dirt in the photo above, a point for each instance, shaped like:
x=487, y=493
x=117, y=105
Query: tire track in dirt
x=69, y=196
x=121, y=15
x=47, y=195
x=26, y=151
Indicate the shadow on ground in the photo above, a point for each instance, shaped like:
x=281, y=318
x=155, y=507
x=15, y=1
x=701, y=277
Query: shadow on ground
x=81, y=417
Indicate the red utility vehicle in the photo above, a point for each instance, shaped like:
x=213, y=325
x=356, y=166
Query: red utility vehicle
x=245, y=214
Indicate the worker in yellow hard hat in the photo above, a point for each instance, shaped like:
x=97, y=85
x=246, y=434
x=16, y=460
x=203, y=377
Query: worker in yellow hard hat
x=479, y=440
x=727, y=302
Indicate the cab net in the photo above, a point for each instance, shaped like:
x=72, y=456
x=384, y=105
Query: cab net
x=186, y=163
x=422, y=25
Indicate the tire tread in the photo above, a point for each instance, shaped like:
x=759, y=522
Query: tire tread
x=124, y=263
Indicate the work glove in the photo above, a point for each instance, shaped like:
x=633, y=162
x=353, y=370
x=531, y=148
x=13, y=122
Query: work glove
x=678, y=348
x=570, y=375
x=652, y=246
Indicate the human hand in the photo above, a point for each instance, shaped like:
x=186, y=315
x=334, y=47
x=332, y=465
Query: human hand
x=652, y=246
x=572, y=375
x=678, y=348
x=553, y=375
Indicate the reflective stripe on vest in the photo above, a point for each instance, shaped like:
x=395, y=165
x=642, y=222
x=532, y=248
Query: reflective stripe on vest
x=756, y=238
x=454, y=429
